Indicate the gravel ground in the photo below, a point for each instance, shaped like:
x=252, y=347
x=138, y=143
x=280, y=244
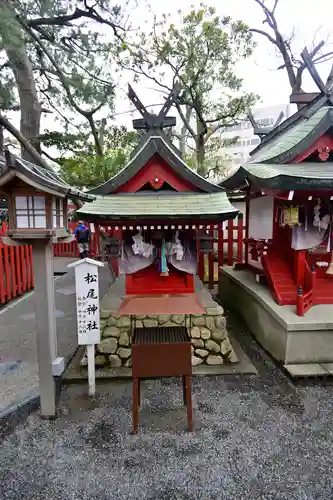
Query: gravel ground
x=18, y=336
x=255, y=438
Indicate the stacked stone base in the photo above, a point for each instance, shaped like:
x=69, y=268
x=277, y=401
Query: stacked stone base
x=209, y=338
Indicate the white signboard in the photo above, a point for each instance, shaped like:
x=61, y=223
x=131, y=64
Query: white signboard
x=261, y=218
x=87, y=301
x=87, y=311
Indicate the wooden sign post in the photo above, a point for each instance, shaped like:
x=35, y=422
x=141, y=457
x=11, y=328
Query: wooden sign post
x=87, y=310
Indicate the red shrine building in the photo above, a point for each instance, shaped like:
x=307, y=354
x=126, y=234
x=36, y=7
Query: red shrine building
x=289, y=188
x=159, y=209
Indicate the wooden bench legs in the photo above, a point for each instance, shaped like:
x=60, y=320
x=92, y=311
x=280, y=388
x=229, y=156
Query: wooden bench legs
x=187, y=397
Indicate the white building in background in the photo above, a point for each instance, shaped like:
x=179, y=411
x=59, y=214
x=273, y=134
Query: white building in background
x=265, y=117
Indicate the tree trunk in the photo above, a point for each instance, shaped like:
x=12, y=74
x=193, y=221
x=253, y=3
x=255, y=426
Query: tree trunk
x=22, y=69
x=182, y=139
x=200, y=148
x=1, y=139
x=29, y=102
x=184, y=132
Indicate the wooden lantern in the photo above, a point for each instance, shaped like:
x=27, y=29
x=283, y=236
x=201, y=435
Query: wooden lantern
x=35, y=214
x=37, y=200
x=35, y=210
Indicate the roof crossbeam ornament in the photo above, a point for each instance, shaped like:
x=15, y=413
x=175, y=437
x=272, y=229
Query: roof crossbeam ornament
x=325, y=89
x=150, y=121
x=137, y=103
x=262, y=131
x=169, y=101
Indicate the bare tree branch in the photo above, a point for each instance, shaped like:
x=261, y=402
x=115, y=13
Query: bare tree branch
x=323, y=58
x=294, y=66
x=263, y=33
x=275, y=5
x=24, y=142
x=55, y=160
x=66, y=20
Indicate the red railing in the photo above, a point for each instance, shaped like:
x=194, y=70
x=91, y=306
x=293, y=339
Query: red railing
x=16, y=271
x=306, y=294
x=227, y=248
x=16, y=268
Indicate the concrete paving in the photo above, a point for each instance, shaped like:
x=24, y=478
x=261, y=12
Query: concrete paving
x=255, y=438
x=18, y=361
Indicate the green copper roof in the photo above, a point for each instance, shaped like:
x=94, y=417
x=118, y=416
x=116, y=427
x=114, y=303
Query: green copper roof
x=147, y=204
x=309, y=170
x=302, y=176
x=292, y=138
x=298, y=176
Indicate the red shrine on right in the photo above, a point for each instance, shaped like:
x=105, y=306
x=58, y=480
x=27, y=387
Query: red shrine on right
x=289, y=201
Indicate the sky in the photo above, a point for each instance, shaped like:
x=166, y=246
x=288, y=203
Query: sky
x=311, y=19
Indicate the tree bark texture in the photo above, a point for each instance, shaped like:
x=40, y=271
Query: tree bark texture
x=22, y=69
x=29, y=102
x=200, y=147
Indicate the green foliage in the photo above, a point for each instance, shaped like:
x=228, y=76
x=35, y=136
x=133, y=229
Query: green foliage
x=217, y=162
x=72, y=62
x=86, y=170
x=64, y=142
x=8, y=99
x=201, y=52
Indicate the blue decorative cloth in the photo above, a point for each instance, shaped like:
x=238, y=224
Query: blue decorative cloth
x=164, y=267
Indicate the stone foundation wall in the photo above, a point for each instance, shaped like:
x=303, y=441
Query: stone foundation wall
x=209, y=338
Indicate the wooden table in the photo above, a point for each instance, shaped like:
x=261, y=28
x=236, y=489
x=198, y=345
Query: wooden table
x=161, y=351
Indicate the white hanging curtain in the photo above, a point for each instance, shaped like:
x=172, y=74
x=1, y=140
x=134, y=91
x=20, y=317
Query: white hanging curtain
x=303, y=239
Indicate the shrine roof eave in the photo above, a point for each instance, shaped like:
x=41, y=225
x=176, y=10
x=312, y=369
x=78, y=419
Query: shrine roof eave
x=237, y=181
x=39, y=178
x=300, y=176
x=305, y=113
x=161, y=219
x=156, y=144
x=297, y=139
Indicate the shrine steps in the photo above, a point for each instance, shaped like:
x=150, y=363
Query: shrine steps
x=280, y=280
x=283, y=287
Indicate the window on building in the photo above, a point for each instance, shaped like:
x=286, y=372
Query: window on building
x=264, y=122
x=255, y=141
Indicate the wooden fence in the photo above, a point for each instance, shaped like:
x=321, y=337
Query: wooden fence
x=227, y=248
x=16, y=272
x=16, y=269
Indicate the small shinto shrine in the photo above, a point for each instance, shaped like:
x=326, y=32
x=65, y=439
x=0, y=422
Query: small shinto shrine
x=289, y=186
x=157, y=213
x=159, y=209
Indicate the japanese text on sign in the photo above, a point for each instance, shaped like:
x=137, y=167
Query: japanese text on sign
x=87, y=303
